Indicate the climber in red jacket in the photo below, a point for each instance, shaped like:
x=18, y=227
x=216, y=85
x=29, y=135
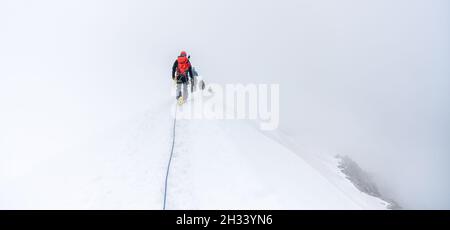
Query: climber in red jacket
x=182, y=74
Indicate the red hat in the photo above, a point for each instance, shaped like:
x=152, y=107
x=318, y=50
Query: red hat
x=183, y=54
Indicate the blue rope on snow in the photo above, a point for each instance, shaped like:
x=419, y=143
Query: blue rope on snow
x=170, y=159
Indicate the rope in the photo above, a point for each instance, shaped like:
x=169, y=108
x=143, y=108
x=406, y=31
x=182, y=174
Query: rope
x=170, y=159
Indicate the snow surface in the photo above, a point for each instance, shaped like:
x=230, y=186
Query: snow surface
x=223, y=164
x=217, y=164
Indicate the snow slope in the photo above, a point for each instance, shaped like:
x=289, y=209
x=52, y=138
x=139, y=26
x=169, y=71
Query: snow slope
x=119, y=168
x=222, y=164
x=216, y=164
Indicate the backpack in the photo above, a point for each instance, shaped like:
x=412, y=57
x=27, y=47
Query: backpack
x=183, y=65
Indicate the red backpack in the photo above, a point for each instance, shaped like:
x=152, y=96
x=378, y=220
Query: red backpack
x=183, y=65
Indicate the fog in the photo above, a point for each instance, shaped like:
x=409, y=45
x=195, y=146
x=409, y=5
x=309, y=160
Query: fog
x=366, y=78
